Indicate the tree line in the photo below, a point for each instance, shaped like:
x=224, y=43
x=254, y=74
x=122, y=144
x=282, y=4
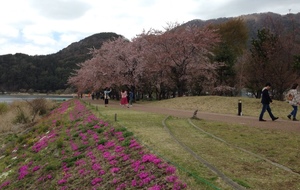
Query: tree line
x=192, y=60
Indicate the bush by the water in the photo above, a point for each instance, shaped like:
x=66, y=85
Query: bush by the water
x=3, y=108
x=18, y=114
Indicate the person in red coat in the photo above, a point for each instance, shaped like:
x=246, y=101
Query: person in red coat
x=124, y=101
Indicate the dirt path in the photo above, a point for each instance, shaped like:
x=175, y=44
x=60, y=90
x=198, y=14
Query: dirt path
x=280, y=124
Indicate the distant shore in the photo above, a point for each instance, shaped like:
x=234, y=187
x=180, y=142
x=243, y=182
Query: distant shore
x=36, y=94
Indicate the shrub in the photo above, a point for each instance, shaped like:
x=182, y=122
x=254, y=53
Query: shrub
x=39, y=106
x=3, y=108
x=21, y=117
x=24, y=112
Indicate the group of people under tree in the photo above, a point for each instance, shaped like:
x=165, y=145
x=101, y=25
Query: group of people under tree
x=97, y=95
x=126, y=97
x=292, y=98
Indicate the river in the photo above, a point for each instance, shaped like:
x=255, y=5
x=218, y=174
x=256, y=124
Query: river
x=11, y=98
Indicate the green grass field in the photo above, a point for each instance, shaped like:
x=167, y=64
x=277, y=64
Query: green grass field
x=253, y=158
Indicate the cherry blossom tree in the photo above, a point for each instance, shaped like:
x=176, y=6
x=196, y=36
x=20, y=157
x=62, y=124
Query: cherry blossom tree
x=105, y=68
x=180, y=55
x=158, y=60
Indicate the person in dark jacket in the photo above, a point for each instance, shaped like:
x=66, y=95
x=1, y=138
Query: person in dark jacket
x=266, y=100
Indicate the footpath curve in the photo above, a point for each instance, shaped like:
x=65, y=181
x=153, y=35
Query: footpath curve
x=280, y=124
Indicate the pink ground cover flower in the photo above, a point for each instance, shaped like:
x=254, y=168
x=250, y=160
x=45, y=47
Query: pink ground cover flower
x=63, y=107
x=113, y=162
x=125, y=157
x=62, y=181
x=96, y=180
x=102, y=172
x=4, y=184
x=170, y=170
x=121, y=139
x=23, y=171
x=106, y=155
x=134, y=183
x=136, y=166
x=146, y=180
x=134, y=144
x=155, y=187
x=151, y=158
x=44, y=178
x=114, y=170
x=109, y=144
x=97, y=127
x=96, y=167
x=171, y=178
x=121, y=186
x=83, y=136
x=95, y=137
x=119, y=149
x=43, y=142
x=80, y=162
x=73, y=146
x=143, y=175
x=36, y=168
x=115, y=181
x=101, y=147
x=91, y=155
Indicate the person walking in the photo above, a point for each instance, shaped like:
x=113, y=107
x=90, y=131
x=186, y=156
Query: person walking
x=293, y=93
x=106, y=96
x=124, y=100
x=266, y=100
x=130, y=98
x=93, y=95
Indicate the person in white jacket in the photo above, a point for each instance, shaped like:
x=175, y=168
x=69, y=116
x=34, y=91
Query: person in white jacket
x=294, y=102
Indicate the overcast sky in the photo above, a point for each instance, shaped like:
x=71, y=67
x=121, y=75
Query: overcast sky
x=40, y=27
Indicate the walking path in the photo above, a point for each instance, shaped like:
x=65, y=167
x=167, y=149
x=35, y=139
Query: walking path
x=280, y=124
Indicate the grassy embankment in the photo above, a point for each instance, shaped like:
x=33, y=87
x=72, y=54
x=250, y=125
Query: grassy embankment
x=70, y=148
x=253, y=168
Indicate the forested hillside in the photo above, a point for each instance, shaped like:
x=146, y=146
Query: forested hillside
x=257, y=21
x=46, y=73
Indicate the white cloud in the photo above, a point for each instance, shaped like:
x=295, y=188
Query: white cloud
x=60, y=9
x=38, y=27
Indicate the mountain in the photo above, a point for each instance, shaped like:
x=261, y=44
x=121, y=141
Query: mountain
x=49, y=73
x=255, y=21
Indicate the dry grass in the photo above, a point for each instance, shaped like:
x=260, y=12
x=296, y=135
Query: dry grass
x=241, y=166
x=20, y=113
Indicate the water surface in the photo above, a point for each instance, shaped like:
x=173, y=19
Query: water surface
x=11, y=98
